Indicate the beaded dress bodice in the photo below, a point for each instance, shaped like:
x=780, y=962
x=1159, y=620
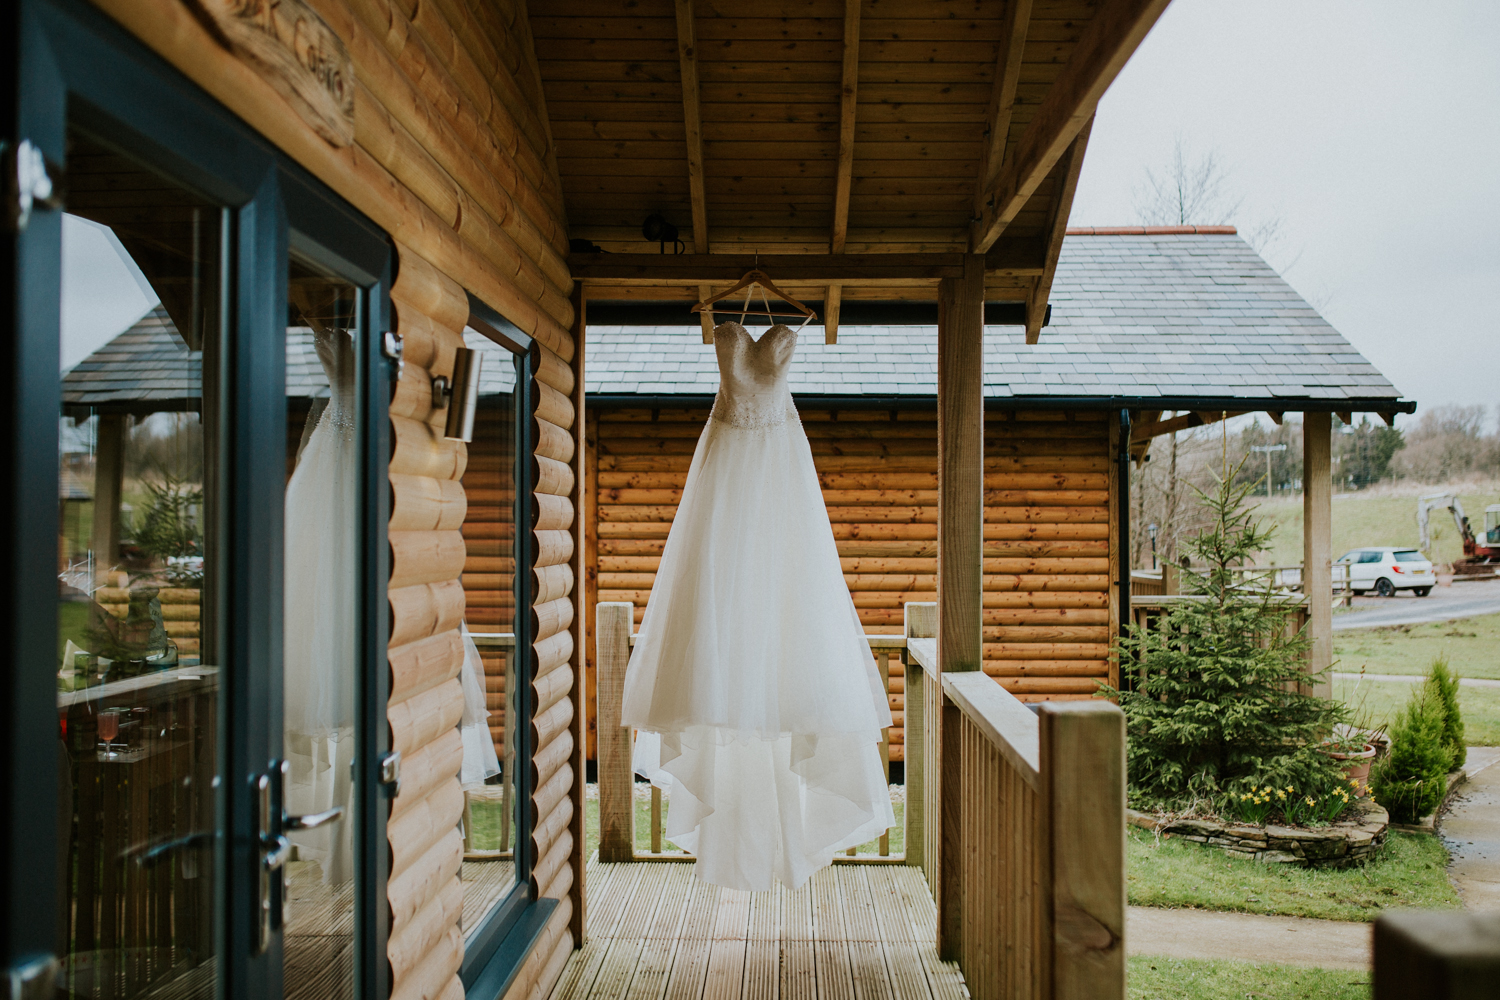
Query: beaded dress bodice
x=753, y=388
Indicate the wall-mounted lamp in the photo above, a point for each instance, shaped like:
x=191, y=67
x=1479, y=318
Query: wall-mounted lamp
x=460, y=396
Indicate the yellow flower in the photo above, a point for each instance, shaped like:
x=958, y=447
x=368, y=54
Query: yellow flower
x=1309, y=800
x=1280, y=794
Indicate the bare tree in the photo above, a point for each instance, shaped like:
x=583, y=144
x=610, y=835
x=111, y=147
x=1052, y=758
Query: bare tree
x=1195, y=190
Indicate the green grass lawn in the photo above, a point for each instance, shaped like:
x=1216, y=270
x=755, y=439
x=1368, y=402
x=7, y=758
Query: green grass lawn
x=1472, y=646
x=1381, y=700
x=1369, y=520
x=1153, y=978
x=1410, y=872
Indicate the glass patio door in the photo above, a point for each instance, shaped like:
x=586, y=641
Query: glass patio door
x=193, y=571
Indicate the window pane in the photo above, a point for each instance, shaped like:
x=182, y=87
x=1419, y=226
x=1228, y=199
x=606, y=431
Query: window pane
x=490, y=590
x=320, y=623
x=138, y=664
x=1409, y=555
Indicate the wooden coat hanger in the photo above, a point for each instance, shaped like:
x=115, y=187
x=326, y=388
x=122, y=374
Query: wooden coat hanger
x=759, y=279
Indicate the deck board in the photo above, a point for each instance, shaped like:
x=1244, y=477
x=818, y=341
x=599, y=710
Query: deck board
x=854, y=932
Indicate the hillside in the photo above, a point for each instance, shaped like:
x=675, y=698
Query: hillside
x=1373, y=518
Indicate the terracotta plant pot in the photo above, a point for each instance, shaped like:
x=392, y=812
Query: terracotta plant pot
x=1356, y=766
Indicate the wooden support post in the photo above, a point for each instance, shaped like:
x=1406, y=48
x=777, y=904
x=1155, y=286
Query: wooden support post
x=1436, y=956
x=1317, y=544
x=1082, y=751
x=920, y=623
x=613, y=622
x=960, y=467
x=109, y=479
x=883, y=657
x=831, y=307
x=960, y=560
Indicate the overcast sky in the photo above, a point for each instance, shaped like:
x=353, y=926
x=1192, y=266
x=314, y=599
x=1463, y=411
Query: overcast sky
x=1372, y=128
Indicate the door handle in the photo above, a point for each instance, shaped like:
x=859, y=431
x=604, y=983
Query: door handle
x=274, y=851
x=312, y=820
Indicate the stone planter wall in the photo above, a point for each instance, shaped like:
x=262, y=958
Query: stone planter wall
x=1337, y=846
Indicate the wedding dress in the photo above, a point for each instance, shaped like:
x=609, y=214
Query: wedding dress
x=480, y=759
x=321, y=615
x=758, y=701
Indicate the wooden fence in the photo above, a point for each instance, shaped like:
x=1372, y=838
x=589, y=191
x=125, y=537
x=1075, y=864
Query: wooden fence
x=1022, y=820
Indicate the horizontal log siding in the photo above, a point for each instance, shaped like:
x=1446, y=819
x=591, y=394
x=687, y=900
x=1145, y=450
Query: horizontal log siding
x=1047, y=613
x=452, y=157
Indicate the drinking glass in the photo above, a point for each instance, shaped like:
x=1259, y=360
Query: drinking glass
x=109, y=728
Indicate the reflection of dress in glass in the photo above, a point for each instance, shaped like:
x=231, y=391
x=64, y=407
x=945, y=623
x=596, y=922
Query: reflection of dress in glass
x=480, y=760
x=759, y=704
x=321, y=582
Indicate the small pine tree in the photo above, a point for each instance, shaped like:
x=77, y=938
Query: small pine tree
x=1220, y=706
x=1412, y=779
x=1443, y=686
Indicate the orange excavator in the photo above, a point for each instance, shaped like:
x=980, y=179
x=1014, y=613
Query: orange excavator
x=1481, y=554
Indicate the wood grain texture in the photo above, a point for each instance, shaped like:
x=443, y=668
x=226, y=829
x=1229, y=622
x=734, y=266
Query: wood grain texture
x=848, y=108
x=960, y=464
x=1317, y=542
x=1067, y=170
x=613, y=624
x=1009, y=54
x=1083, y=770
x=687, y=62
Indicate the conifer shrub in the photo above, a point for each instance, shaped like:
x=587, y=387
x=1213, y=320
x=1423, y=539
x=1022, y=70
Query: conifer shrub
x=1443, y=685
x=1218, y=712
x=1412, y=779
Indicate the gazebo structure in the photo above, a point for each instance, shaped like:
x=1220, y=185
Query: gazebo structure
x=398, y=177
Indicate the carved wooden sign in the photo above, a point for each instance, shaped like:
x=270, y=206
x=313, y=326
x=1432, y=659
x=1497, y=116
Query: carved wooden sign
x=297, y=53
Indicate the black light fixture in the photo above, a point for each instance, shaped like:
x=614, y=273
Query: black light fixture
x=656, y=229
x=460, y=395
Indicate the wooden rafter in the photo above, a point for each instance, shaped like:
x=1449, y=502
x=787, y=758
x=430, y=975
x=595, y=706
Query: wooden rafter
x=1068, y=169
x=1002, y=100
x=692, y=120
x=1011, y=257
x=1102, y=49
x=844, y=177
x=1156, y=428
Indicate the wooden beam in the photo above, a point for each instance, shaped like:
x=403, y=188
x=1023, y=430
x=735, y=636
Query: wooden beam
x=1317, y=545
x=848, y=102
x=1102, y=49
x=1002, y=99
x=1156, y=428
x=831, y=306
x=612, y=626
x=687, y=59
x=1067, y=172
x=1275, y=416
x=696, y=269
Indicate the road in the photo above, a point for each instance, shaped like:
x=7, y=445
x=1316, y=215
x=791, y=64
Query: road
x=1462, y=600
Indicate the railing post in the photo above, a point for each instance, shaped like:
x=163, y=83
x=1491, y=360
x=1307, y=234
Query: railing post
x=1082, y=754
x=920, y=623
x=613, y=622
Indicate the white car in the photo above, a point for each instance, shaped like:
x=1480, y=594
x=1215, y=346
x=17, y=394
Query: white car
x=1387, y=569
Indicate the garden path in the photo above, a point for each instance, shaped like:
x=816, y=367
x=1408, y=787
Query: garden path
x=1471, y=829
x=1248, y=937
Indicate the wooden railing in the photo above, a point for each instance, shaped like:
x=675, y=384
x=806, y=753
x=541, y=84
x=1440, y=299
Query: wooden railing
x=1022, y=816
x=1166, y=580
x=614, y=639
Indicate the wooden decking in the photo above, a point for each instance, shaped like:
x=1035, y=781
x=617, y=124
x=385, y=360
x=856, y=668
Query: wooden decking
x=854, y=932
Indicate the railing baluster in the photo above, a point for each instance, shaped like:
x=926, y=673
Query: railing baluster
x=614, y=620
x=655, y=820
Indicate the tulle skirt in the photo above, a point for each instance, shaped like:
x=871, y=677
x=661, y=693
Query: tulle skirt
x=758, y=701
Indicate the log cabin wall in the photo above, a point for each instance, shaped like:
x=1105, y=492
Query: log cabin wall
x=1048, y=614
x=450, y=154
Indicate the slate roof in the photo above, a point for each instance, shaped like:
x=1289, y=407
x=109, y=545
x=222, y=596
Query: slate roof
x=1170, y=316
x=1138, y=315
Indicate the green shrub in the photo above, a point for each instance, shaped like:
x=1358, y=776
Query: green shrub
x=1218, y=709
x=1412, y=779
x=1443, y=685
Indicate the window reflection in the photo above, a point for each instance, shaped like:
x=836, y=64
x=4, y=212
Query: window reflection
x=137, y=660
x=490, y=588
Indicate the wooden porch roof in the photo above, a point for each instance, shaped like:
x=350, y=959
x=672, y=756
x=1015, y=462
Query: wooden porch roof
x=831, y=126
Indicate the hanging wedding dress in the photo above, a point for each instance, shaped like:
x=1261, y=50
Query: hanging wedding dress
x=321, y=615
x=480, y=760
x=758, y=701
